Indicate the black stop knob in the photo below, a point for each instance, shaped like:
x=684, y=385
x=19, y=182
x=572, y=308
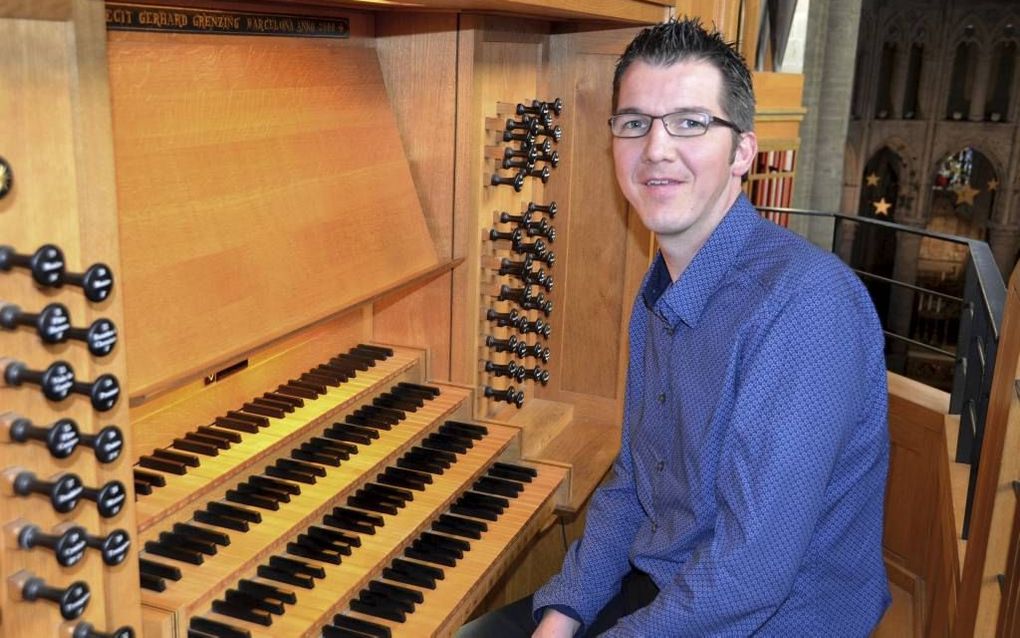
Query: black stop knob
x=100, y=337
x=107, y=443
x=51, y=323
x=113, y=547
x=103, y=392
x=6, y=178
x=56, y=381
x=511, y=370
x=61, y=437
x=86, y=630
x=68, y=545
x=46, y=263
x=537, y=374
x=109, y=498
x=64, y=490
x=511, y=396
x=72, y=600
x=96, y=281
x=550, y=208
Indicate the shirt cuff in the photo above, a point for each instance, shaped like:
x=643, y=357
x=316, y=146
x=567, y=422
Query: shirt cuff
x=563, y=609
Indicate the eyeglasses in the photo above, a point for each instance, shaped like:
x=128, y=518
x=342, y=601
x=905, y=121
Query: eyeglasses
x=679, y=124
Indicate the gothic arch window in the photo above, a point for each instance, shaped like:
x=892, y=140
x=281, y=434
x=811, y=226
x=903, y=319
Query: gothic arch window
x=911, y=107
x=962, y=80
x=886, y=72
x=1000, y=81
x=964, y=189
x=874, y=246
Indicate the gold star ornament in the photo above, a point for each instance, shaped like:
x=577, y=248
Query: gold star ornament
x=965, y=194
x=993, y=184
x=872, y=179
x=882, y=207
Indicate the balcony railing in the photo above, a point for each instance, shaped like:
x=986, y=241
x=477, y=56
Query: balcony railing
x=964, y=333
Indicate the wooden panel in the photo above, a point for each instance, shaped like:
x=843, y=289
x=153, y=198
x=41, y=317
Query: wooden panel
x=287, y=147
x=55, y=104
x=423, y=95
x=592, y=291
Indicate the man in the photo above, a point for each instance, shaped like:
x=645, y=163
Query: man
x=747, y=496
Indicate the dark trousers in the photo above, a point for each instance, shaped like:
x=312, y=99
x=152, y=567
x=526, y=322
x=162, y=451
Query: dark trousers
x=515, y=620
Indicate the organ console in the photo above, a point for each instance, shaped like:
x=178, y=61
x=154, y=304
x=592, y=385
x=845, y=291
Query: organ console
x=333, y=313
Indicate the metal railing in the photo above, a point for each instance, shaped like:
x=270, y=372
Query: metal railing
x=977, y=337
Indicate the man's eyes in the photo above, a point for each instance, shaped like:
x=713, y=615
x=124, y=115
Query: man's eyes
x=636, y=123
x=686, y=122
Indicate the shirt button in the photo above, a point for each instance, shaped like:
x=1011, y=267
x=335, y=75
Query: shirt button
x=660, y=465
x=662, y=397
x=655, y=527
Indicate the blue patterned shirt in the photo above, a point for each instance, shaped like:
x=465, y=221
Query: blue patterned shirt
x=751, y=475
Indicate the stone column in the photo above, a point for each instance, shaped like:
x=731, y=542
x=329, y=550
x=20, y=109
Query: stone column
x=1004, y=242
x=979, y=92
x=829, y=57
x=898, y=88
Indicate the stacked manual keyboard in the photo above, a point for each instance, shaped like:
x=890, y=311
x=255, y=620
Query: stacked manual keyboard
x=386, y=492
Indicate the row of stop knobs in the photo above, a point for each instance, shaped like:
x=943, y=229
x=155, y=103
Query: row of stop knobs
x=531, y=135
x=68, y=542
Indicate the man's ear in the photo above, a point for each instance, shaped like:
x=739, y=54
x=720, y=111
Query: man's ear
x=744, y=153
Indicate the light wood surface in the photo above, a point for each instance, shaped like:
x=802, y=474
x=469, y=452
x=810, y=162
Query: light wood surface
x=284, y=143
x=57, y=140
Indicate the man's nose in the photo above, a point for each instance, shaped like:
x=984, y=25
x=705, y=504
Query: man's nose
x=659, y=144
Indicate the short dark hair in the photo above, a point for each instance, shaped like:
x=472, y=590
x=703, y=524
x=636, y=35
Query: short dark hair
x=676, y=41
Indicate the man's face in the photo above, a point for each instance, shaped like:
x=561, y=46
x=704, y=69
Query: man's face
x=681, y=187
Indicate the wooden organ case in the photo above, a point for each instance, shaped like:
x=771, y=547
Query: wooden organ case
x=296, y=202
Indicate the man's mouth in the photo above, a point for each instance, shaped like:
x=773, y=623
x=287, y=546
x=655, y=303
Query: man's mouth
x=658, y=181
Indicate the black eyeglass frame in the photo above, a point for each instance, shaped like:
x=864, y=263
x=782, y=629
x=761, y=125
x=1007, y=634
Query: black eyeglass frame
x=711, y=119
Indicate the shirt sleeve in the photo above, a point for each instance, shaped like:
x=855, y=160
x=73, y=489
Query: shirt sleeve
x=595, y=565
x=800, y=392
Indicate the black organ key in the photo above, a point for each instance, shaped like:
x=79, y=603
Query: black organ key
x=143, y=488
x=363, y=627
x=318, y=445
x=371, y=505
x=221, y=520
x=176, y=553
x=235, y=511
x=453, y=544
x=412, y=463
x=377, y=599
x=286, y=406
x=396, y=591
x=445, y=457
x=163, y=465
x=180, y=457
x=379, y=352
x=411, y=567
x=342, y=434
x=242, y=613
x=332, y=631
x=392, y=492
x=476, y=432
x=254, y=500
x=230, y=436
x=254, y=419
x=158, y=569
x=188, y=542
x=241, y=599
x=485, y=500
x=367, y=422
x=334, y=536
x=266, y=591
x=264, y=492
x=377, y=497
x=217, y=628
x=407, y=395
x=315, y=553
x=296, y=566
x=321, y=379
x=297, y=391
x=410, y=476
x=236, y=424
x=473, y=511
x=429, y=389
x=377, y=413
x=275, y=484
x=394, y=403
x=431, y=553
x=497, y=486
x=358, y=429
x=150, y=582
x=280, y=397
x=316, y=386
x=301, y=466
x=333, y=445
x=333, y=374
x=521, y=470
x=443, y=442
x=359, y=360
x=269, y=573
x=198, y=447
x=219, y=442
x=320, y=542
x=263, y=410
x=386, y=612
x=311, y=455
x=289, y=475
x=458, y=526
x=201, y=533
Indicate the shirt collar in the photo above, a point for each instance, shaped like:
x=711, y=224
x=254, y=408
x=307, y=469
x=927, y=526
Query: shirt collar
x=685, y=299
